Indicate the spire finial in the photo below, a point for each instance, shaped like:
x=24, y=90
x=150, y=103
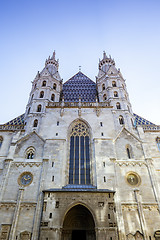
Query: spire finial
x=54, y=55
x=80, y=68
x=104, y=55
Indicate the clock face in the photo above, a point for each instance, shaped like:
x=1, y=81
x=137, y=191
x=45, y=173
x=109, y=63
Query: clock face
x=133, y=179
x=25, y=179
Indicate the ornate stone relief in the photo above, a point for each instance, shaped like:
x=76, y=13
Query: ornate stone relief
x=25, y=235
x=130, y=163
x=30, y=164
x=5, y=229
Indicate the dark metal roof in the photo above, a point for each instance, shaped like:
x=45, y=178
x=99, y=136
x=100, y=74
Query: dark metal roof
x=78, y=188
x=79, y=86
x=141, y=121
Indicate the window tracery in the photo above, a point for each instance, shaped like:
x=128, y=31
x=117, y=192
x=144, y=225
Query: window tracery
x=30, y=153
x=79, y=166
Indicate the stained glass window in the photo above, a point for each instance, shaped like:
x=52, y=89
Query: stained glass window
x=79, y=166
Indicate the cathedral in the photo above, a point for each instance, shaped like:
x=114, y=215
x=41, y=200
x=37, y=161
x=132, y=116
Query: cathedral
x=79, y=164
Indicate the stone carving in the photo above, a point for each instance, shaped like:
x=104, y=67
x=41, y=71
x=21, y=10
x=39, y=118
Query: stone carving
x=101, y=204
x=130, y=163
x=5, y=229
x=30, y=164
x=25, y=235
x=130, y=237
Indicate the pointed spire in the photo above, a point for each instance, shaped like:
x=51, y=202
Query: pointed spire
x=54, y=55
x=104, y=55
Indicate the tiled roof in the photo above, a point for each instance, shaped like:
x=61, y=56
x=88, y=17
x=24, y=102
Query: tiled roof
x=141, y=121
x=16, y=121
x=79, y=86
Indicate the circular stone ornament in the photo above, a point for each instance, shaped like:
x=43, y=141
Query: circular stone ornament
x=25, y=179
x=133, y=179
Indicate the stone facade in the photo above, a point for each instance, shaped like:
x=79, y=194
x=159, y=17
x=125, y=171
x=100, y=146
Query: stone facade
x=75, y=168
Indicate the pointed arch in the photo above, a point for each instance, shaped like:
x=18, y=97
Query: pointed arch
x=44, y=84
x=84, y=215
x=118, y=105
x=41, y=94
x=114, y=84
x=35, y=124
x=79, y=154
x=115, y=94
x=39, y=108
x=52, y=97
x=121, y=120
x=54, y=86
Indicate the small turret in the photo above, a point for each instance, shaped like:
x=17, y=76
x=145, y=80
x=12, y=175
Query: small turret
x=52, y=61
x=46, y=87
x=111, y=87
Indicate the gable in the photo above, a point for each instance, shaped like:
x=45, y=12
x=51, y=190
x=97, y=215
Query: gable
x=31, y=140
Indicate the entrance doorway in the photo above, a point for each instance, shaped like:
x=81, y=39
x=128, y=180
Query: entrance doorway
x=78, y=235
x=78, y=224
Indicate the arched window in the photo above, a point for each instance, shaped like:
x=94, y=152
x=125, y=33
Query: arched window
x=43, y=83
x=39, y=108
x=118, y=105
x=158, y=143
x=114, y=84
x=103, y=86
x=104, y=97
x=121, y=120
x=1, y=140
x=35, y=124
x=52, y=97
x=157, y=235
x=41, y=94
x=54, y=86
x=115, y=94
x=79, y=165
x=129, y=151
x=30, y=153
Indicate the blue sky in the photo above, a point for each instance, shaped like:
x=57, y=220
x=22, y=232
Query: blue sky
x=80, y=31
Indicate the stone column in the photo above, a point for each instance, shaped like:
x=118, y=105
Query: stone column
x=154, y=182
x=37, y=218
x=119, y=214
x=16, y=214
x=7, y=165
x=141, y=214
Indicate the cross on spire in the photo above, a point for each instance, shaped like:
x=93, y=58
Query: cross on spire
x=80, y=68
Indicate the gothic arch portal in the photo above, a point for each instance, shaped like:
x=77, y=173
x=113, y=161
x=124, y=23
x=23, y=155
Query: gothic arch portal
x=78, y=224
